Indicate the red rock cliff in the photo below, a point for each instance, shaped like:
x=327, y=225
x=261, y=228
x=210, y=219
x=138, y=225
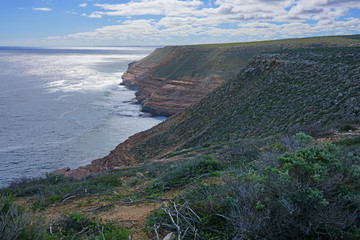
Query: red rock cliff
x=172, y=78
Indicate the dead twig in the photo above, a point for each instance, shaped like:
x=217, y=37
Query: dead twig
x=63, y=201
x=156, y=232
x=80, y=232
x=183, y=219
x=132, y=202
x=176, y=224
x=102, y=232
x=99, y=207
x=159, y=199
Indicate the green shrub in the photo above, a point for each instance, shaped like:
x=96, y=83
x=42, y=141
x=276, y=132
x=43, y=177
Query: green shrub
x=54, y=187
x=78, y=226
x=16, y=224
x=310, y=162
x=303, y=139
x=112, y=232
x=184, y=173
x=312, y=193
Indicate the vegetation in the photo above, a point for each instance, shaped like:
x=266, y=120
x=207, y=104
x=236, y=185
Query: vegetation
x=333, y=41
x=310, y=193
x=273, y=153
x=16, y=223
x=226, y=59
x=283, y=92
x=78, y=226
x=282, y=187
x=186, y=172
x=55, y=187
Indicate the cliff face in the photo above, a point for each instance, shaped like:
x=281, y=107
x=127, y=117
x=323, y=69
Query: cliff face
x=161, y=96
x=311, y=90
x=173, y=78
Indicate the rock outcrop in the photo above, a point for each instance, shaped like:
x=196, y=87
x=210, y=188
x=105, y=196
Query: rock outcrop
x=172, y=78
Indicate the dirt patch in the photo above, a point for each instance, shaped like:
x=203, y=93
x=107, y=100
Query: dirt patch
x=131, y=216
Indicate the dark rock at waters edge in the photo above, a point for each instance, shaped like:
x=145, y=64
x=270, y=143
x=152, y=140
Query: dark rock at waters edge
x=96, y=166
x=62, y=171
x=131, y=86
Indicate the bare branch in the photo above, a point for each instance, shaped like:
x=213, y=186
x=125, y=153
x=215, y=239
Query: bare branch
x=63, y=201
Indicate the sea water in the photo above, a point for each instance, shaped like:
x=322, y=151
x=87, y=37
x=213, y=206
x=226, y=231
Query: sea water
x=64, y=107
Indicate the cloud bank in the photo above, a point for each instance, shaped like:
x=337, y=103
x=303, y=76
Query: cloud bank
x=221, y=20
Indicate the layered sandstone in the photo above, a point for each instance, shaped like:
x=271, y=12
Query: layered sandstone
x=172, y=78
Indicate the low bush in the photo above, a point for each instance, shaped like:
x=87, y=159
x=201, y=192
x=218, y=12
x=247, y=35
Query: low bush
x=185, y=172
x=350, y=141
x=347, y=128
x=17, y=224
x=78, y=226
x=55, y=187
x=303, y=139
x=240, y=153
x=311, y=193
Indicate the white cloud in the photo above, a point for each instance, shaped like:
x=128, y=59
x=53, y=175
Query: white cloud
x=230, y=20
x=54, y=37
x=95, y=15
x=83, y=5
x=42, y=9
x=318, y=10
x=170, y=22
x=151, y=7
x=130, y=29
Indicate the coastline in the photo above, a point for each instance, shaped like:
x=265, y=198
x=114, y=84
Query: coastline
x=168, y=76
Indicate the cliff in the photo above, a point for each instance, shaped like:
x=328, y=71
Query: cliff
x=172, y=78
x=314, y=90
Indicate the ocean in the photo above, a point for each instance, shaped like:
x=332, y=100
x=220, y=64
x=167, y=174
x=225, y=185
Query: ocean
x=64, y=107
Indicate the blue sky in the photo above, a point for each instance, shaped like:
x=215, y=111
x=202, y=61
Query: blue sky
x=171, y=22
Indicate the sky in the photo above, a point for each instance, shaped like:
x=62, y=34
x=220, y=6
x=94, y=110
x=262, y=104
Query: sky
x=171, y=22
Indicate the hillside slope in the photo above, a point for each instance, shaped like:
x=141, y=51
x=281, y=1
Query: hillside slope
x=309, y=89
x=172, y=78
